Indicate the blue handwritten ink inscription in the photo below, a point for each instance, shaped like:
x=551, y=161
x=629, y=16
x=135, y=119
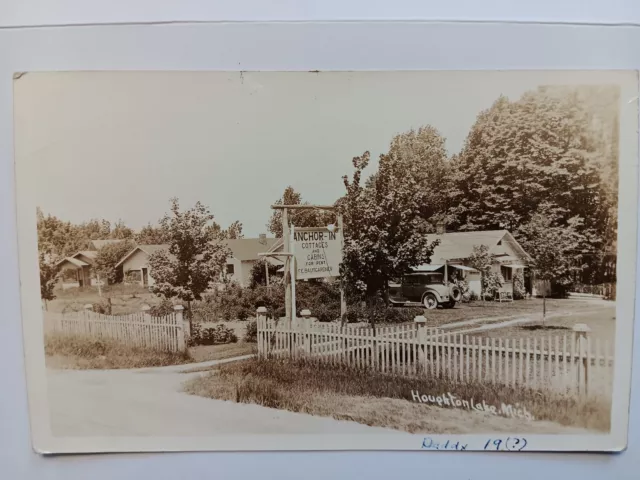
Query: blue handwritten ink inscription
x=509, y=444
x=430, y=444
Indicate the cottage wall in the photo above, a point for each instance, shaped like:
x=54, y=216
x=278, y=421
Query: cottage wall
x=247, y=266
x=137, y=261
x=236, y=265
x=473, y=279
x=506, y=248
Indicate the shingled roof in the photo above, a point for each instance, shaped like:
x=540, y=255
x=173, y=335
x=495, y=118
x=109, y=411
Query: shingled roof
x=73, y=261
x=148, y=249
x=459, y=245
x=245, y=249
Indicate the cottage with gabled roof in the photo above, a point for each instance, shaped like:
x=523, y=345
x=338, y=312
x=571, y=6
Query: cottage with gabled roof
x=244, y=254
x=135, y=264
x=82, y=263
x=455, y=248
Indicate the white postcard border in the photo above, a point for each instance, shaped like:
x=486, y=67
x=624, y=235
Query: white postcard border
x=44, y=442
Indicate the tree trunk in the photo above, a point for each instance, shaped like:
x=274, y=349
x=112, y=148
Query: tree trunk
x=189, y=315
x=544, y=306
x=385, y=293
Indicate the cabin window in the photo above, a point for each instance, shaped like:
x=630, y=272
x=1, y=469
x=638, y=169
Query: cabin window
x=230, y=268
x=507, y=273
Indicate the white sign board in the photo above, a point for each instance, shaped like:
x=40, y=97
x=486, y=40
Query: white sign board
x=318, y=252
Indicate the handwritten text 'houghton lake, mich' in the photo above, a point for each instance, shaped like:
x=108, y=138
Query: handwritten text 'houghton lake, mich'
x=450, y=400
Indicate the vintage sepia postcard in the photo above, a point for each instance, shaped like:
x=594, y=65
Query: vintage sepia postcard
x=327, y=260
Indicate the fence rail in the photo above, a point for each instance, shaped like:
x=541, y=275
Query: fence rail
x=571, y=362
x=165, y=333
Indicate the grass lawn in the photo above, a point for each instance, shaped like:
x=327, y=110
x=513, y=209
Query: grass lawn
x=601, y=321
x=479, y=309
x=385, y=400
x=82, y=353
x=203, y=353
x=124, y=298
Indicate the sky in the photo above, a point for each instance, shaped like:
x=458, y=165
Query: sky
x=119, y=145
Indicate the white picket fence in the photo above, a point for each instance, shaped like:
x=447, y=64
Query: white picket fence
x=566, y=362
x=165, y=333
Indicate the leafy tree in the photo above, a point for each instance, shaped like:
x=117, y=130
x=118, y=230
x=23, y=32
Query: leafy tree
x=259, y=273
x=234, y=231
x=423, y=151
x=108, y=256
x=95, y=229
x=299, y=218
x=150, y=235
x=57, y=238
x=121, y=231
x=541, y=149
x=192, y=261
x=48, y=277
x=557, y=250
x=384, y=229
x=482, y=260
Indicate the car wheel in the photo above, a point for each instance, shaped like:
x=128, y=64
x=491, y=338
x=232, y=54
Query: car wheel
x=430, y=301
x=456, y=294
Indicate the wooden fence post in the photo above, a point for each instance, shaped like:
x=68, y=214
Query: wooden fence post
x=182, y=328
x=305, y=323
x=421, y=323
x=583, y=331
x=261, y=321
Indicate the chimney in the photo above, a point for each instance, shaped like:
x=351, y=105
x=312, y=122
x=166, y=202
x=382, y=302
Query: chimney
x=441, y=228
x=262, y=238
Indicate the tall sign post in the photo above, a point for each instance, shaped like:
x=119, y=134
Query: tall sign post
x=292, y=273
x=343, y=298
x=314, y=252
x=287, y=261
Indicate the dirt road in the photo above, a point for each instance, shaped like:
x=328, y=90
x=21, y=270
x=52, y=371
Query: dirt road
x=133, y=403
x=150, y=402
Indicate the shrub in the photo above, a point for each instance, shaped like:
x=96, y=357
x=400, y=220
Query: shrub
x=491, y=282
x=164, y=308
x=211, y=336
x=518, y=285
x=103, y=306
x=258, y=274
x=107, y=258
x=132, y=277
x=324, y=312
x=231, y=303
x=358, y=313
x=251, y=334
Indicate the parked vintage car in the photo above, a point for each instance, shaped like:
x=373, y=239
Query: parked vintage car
x=429, y=289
